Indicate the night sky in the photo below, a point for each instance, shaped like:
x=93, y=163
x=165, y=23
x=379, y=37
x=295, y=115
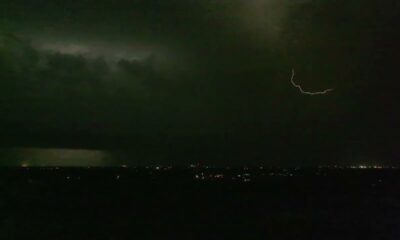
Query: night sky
x=209, y=81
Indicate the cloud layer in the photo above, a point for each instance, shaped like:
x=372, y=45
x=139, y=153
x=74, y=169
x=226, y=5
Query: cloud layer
x=205, y=78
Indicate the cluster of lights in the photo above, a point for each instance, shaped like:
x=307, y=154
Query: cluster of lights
x=27, y=166
x=243, y=174
x=357, y=167
x=281, y=174
x=162, y=168
x=369, y=167
x=202, y=176
x=245, y=177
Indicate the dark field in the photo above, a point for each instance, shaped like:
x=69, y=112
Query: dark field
x=118, y=203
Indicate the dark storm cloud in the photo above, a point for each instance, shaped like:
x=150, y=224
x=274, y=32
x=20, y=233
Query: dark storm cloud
x=205, y=78
x=41, y=79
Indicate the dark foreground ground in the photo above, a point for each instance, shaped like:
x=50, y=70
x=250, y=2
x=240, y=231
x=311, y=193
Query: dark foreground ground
x=207, y=204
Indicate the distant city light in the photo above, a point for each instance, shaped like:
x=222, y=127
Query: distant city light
x=24, y=165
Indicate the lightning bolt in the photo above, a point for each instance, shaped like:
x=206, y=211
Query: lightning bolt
x=305, y=92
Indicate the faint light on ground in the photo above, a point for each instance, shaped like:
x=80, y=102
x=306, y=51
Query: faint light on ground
x=58, y=157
